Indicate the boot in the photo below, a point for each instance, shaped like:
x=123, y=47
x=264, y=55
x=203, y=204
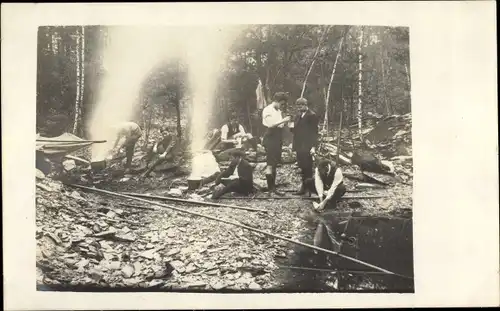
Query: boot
x=270, y=183
x=302, y=190
x=274, y=190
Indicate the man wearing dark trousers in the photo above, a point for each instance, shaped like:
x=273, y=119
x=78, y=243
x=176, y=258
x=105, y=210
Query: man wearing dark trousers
x=328, y=183
x=305, y=140
x=238, y=177
x=160, y=151
x=273, y=120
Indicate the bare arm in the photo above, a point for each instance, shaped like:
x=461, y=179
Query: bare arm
x=268, y=122
x=118, y=138
x=318, y=184
x=223, y=135
x=336, y=181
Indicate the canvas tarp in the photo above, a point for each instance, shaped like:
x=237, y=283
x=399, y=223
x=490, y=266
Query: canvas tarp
x=63, y=144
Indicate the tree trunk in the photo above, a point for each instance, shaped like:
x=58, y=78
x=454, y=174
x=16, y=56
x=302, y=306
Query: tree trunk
x=148, y=123
x=178, y=113
x=407, y=76
x=78, y=82
x=360, y=88
x=82, y=78
x=325, y=122
x=384, y=83
x=314, y=60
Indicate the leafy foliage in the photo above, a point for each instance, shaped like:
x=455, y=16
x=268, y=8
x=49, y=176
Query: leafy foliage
x=279, y=55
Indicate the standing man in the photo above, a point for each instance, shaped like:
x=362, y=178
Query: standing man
x=130, y=132
x=273, y=120
x=305, y=140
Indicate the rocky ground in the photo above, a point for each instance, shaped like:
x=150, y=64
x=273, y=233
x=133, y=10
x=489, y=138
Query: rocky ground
x=90, y=240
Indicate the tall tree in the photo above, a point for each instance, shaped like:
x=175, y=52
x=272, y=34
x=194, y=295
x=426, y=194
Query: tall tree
x=360, y=79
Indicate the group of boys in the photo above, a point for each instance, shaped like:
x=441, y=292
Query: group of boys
x=326, y=179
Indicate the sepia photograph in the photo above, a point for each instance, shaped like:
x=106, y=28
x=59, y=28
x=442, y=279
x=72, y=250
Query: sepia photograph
x=224, y=158
x=249, y=155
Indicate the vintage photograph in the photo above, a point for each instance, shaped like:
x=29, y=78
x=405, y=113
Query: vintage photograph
x=227, y=159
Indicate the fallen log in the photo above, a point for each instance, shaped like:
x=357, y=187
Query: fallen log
x=233, y=223
x=193, y=202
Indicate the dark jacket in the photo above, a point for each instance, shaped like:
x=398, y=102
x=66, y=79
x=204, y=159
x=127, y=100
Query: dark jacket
x=163, y=144
x=245, y=172
x=305, y=132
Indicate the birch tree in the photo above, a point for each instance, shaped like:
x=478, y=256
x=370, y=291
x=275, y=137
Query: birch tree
x=323, y=36
x=78, y=82
x=327, y=99
x=360, y=86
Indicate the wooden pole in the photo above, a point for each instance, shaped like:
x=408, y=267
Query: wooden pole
x=244, y=227
x=361, y=197
x=194, y=202
x=71, y=141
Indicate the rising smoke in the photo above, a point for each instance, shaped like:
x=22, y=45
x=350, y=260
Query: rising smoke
x=130, y=56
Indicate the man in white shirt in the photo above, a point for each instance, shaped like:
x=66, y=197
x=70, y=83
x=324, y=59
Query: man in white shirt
x=233, y=135
x=328, y=184
x=130, y=132
x=273, y=120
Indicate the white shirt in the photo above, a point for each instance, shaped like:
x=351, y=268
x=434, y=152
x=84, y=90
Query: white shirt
x=338, y=178
x=225, y=129
x=271, y=115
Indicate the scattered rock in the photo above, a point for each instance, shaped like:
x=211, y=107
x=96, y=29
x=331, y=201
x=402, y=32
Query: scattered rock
x=219, y=285
x=173, y=252
x=175, y=192
x=125, y=237
x=69, y=165
x=244, y=256
x=149, y=254
x=39, y=174
x=137, y=268
x=149, y=246
x=114, y=265
x=177, y=265
x=128, y=271
x=190, y=268
x=254, y=286
x=76, y=195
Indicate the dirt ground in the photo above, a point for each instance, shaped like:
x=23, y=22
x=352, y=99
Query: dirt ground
x=90, y=240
